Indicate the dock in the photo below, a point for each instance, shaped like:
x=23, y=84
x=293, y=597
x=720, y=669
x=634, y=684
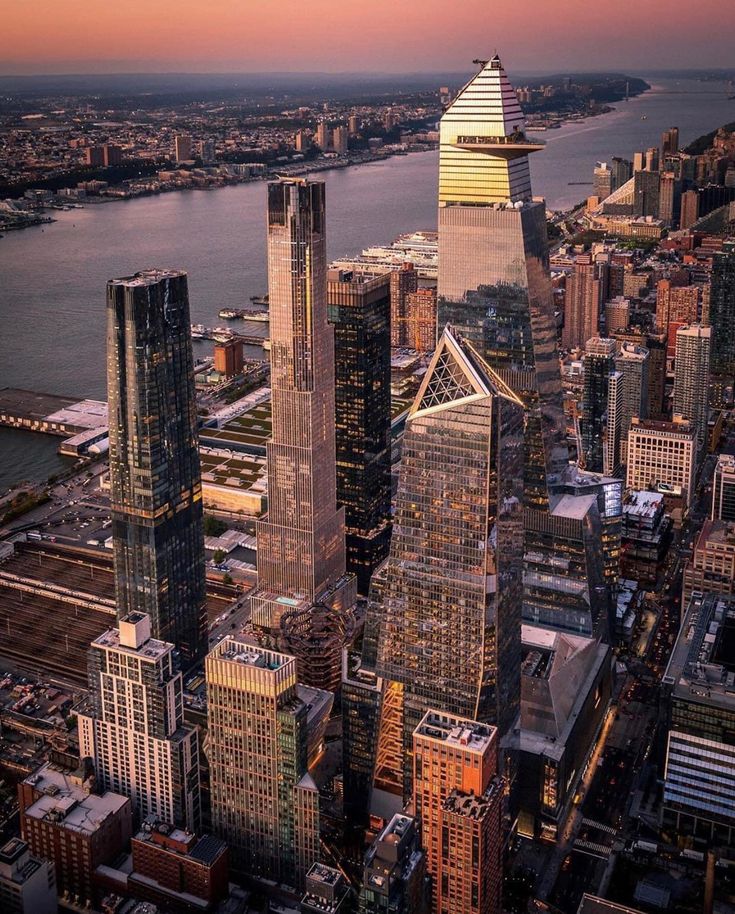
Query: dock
x=49, y=413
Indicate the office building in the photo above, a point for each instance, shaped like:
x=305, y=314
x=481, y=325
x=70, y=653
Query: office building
x=339, y=140
x=494, y=285
x=228, y=358
x=361, y=701
x=691, y=377
x=711, y=568
x=723, y=489
x=64, y=821
x=646, y=537
x=265, y=805
x=301, y=141
x=359, y=311
x=394, y=875
x=207, y=152
x=612, y=443
x=403, y=281
x=133, y=726
x=662, y=454
x=646, y=193
x=457, y=542
x=689, y=210
x=622, y=171
x=353, y=124
x=301, y=540
x=598, y=364
x=183, y=151
x=155, y=477
x=722, y=319
x=458, y=799
x=419, y=325
x=566, y=683
x=676, y=304
x=699, y=777
x=669, y=196
x=656, y=344
x=326, y=891
x=586, y=290
x=564, y=584
x=632, y=363
x=27, y=883
x=177, y=869
x=602, y=181
x=669, y=142
x=651, y=159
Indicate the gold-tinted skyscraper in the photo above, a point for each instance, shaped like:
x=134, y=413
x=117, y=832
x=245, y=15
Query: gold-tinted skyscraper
x=301, y=541
x=494, y=285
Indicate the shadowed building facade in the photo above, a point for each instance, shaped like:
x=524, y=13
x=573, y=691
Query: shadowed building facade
x=449, y=598
x=301, y=544
x=494, y=285
x=155, y=478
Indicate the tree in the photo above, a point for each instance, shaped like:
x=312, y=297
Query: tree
x=213, y=526
x=219, y=556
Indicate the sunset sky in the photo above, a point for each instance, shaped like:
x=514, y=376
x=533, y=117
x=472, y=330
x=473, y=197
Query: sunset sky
x=79, y=36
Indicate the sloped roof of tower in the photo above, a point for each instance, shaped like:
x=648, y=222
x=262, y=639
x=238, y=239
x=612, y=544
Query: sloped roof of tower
x=457, y=375
x=489, y=100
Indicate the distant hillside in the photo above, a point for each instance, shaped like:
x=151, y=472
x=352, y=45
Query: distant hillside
x=703, y=143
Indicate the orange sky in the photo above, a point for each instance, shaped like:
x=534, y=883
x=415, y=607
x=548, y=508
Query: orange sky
x=47, y=36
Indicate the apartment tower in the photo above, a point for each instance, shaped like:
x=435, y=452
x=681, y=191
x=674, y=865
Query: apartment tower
x=155, y=477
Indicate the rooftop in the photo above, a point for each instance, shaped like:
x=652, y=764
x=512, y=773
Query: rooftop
x=474, y=806
x=456, y=731
x=642, y=503
x=146, y=278
x=250, y=655
x=66, y=802
x=702, y=664
x=152, y=649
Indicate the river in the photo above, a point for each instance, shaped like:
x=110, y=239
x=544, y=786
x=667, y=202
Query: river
x=52, y=279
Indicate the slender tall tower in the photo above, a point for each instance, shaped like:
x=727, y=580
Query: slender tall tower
x=494, y=285
x=691, y=377
x=301, y=540
x=155, y=478
x=450, y=593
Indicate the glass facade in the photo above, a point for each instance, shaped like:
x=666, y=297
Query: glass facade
x=494, y=285
x=599, y=364
x=155, y=479
x=722, y=320
x=450, y=593
x=301, y=551
x=359, y=310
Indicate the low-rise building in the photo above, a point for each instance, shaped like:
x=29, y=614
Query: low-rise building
x=27, y=883
x=395, y=867
x=566, y=683
x=326, y=890
x=711, y=569
x=64, y=821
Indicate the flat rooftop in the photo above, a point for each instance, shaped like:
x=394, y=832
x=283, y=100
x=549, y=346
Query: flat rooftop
x=152, y=649
x=575, y=507
x=68, y=804
x=702, y=664
x=250, y=655
x=456, y=731
x=15, y=401
x=146, y=278
x=643, y=504
x=85, y=414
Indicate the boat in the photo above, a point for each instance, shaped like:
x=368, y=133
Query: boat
x=198, y=331
x=259, y=299
x=244, y=314
x=644, y=117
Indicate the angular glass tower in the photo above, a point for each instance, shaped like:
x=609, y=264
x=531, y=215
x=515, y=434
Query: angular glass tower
x=301, y=540
x=494, y=285
x=450, y=594
x=155, y=478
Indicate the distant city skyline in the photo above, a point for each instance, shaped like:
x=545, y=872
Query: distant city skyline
x=284, y=35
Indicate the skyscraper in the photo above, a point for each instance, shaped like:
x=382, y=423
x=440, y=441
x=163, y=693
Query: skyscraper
x=493, y=284
x=450, y=595
x=691, y=377
x=155, y=478
x=632, y=363
x=133, y=726
x=183, y=148
x=265, y=804
x=723, y=489
x=402, y=282
x=359, y=310
x=458, y=798
x=602, y=181
x=669, y=142
x=585, y=293
x=722, y=319
x=599, y=364
x=676, y=304
x=301, y=545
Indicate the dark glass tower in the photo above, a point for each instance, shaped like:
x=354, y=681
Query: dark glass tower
x=494, y=285
x=450, y=595
x=155, y=479
x=359, y=309
x=599, y=364
x=722, y=321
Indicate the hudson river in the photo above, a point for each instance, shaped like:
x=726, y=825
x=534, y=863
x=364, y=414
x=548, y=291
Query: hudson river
x=52, y=279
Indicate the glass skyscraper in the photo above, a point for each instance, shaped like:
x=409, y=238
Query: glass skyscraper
x=155, y=479
x=301, y=540
x=359, y=310
x=722, y=320
x=494, y=285
x=449, y=601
